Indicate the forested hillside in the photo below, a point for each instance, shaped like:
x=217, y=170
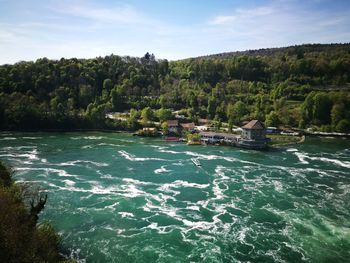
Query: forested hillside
x=301, y=86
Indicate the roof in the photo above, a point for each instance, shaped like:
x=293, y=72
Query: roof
x=188, y=125
x=172, y=123
x=254, y=125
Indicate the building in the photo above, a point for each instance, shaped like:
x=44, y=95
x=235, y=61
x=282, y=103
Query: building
x=253, y=135
x=188, y=127
x=173, y=126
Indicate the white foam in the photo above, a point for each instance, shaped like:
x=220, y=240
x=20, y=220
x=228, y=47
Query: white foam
x=106, y=176
x=162, y=169
x=31, y=155
x=301, y=157
x=344, y=164
x=69, y=182
x=219, y=170
x=193, y=207
x=62, y=173
x=136, y=182
x=133, y=158
x=242, y=234
x=292, y=150
x=126, y=214
x=278, y=186
x=93, y=137
x=110, y=144
x=168, y=151
x=87, y=147
x=72, y=163
x=180, y=183
x=8, y=139
x=18, y=147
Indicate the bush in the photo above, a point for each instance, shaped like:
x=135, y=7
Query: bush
x=20, y=239
x=343, y=126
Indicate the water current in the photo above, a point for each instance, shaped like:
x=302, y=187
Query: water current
x=117, y=198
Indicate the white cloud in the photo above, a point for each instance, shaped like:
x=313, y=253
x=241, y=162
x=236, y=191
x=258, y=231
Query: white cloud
x=240, y=14
x=87, y=28
x=279, y=23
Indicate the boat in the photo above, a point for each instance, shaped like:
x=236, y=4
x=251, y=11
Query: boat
x=196, y=162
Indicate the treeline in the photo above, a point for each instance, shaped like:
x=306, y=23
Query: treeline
x=21, y=240
x=271, y=85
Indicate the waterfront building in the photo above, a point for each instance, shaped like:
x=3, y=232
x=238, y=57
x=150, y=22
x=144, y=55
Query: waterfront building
x=188, y=127
x=253, y=135
x=173, y=126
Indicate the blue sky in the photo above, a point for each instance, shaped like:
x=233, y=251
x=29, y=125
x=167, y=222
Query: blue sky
x=30, y=29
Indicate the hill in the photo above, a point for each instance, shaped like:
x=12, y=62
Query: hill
x=301, y=86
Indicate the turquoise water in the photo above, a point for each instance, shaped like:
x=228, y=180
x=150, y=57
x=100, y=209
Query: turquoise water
x=117, y=198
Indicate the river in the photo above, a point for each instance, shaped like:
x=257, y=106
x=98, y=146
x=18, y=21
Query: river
x=118, y=198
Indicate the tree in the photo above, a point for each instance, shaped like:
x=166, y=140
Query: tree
x=211, y=109
x=272, y=119
x=236, y=112
x=337, y=113
x=107, y=85
x=164, y=114
x=21, y=239
x=117, y=98
x=146, y=116
x=322, y=108
x=343, y=126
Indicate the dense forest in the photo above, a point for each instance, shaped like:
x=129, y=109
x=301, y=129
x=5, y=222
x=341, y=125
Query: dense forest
x=298, y=86
x=21, y=239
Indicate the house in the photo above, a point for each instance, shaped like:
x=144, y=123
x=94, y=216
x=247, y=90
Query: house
x=188, y=127
x=173, y=126
x=253, y=135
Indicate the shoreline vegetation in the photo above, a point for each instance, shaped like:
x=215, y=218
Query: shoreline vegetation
x=22, y=239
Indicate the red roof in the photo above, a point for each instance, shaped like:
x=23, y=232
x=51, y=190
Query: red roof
x=188, y=125
x=254, y=125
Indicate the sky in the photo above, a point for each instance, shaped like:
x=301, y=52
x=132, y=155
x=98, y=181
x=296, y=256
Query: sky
x=171, y=29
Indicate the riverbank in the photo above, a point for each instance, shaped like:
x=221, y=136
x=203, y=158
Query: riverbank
x=278, y=141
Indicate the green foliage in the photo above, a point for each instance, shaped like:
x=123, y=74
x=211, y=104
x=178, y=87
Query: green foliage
x=146, y=116
x=193, y=137
x=5, y=175
x=322, y=108
x=236, y=112
x=164, y=114
x=20, y=239
x=238, y=86
x=343, y=126
x=272, y=119
x=211, y=107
